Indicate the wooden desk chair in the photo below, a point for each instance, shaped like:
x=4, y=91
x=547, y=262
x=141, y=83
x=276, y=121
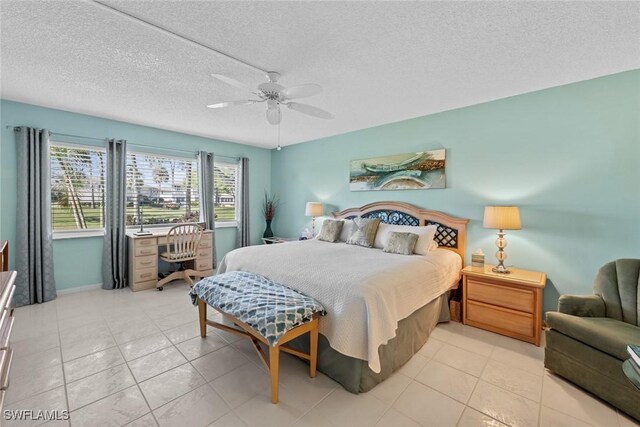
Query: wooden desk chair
x=182, y=246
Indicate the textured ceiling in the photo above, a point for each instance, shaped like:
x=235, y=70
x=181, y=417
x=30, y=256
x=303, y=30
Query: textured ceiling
x=379, y=62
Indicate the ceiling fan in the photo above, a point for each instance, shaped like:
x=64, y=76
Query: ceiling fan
x=276, y=95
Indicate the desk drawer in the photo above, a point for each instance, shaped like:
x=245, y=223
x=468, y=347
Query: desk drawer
x=151, y=241
x=205, y=242
x=202, y=264
x=141, y=286
x=146, y=261
x=205, y=253
x=493, y=318
x=146, y=250
x=144, y=274
x=504, y=296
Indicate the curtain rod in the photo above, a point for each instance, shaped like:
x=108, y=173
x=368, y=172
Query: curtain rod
x=16, y=128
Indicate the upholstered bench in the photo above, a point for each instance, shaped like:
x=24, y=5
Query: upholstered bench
x=264, y=312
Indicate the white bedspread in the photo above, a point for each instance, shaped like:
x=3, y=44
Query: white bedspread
x=365, y=291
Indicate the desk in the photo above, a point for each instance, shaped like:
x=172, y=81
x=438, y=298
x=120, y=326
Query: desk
x=143, y=258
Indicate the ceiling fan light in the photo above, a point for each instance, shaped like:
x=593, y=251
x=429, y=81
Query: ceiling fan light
x=274, y=115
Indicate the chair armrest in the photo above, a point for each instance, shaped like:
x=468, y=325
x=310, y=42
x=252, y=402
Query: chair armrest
x=582, y=305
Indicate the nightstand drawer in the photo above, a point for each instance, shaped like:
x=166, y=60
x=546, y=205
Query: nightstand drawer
x=500, y=318
x=504, y=296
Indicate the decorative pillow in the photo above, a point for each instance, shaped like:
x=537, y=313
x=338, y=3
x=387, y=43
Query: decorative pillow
x=364, y=232
x=401, y=243
x=330, y=231
x=426, y=234
x=347, y=229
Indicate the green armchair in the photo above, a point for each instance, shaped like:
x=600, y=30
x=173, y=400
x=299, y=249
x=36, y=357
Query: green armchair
x=588, y=335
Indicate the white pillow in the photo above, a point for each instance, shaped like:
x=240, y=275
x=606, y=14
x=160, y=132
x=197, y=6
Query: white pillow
x=347, y=229
x=426, y=234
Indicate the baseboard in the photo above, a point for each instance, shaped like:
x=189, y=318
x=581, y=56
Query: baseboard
x=79, y=289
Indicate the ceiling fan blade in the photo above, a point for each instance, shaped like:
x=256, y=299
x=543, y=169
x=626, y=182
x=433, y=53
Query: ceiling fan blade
x=274, y=115
x=233, y=82
x=232, y=103
x=309, y=110
x=301, y=91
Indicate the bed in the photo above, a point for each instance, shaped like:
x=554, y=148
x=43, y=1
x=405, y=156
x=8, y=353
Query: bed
x=381, y=307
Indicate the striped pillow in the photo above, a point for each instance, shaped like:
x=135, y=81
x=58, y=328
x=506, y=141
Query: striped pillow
x=364, y=232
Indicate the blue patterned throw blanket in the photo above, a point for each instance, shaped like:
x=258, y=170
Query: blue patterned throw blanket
x=270, y=308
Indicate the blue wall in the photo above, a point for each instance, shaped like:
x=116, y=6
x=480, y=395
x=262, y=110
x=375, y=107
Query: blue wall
x=78, y=262
x=568, y=156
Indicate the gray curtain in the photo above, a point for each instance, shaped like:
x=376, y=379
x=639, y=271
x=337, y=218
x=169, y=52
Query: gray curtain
x=244, y=238
x=114, y=253
x=205, y=182
x=34, y=247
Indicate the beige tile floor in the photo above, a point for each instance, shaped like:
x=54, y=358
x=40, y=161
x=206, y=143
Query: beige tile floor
x=117, y=358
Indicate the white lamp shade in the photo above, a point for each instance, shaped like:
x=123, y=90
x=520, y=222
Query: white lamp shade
x=502, y=217
x=313, y=209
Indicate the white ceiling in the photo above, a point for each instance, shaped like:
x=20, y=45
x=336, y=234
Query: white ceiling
x=379, y=62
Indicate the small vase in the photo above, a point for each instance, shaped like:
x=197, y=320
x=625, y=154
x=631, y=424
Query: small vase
x=268, y=232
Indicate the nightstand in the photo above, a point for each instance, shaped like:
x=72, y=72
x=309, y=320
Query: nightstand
x=508, y=304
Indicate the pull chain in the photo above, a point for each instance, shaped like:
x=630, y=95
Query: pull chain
x=279, y=147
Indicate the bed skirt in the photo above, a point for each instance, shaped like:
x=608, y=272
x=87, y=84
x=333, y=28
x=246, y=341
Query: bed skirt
x=355, y=374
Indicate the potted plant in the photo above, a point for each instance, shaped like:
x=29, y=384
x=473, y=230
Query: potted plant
x=269, y=208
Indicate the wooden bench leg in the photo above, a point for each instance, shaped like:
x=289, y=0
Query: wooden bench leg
x=202, y=312
x=274, y=362
x=313, y=360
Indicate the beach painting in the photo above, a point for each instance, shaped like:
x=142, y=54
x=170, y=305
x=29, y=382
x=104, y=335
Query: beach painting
x=414, y=171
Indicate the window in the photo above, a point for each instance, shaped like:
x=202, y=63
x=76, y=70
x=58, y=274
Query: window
x=161, y=190
x=77, y=187
x=225, y=182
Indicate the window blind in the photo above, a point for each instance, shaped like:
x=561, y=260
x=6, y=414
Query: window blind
x=77, y=187
x=161, y=189
x=225, y=182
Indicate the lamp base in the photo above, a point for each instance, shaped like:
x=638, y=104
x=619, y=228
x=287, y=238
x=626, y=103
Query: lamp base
x=501, y=269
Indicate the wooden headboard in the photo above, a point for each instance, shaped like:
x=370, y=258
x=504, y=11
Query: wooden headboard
x=451, y=233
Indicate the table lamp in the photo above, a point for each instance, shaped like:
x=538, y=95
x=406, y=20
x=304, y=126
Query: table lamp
x=501, y=218
x=313, y=210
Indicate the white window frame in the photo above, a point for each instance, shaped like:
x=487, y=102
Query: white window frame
x=163, y=227
x=234, y=223
x=82, y=233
